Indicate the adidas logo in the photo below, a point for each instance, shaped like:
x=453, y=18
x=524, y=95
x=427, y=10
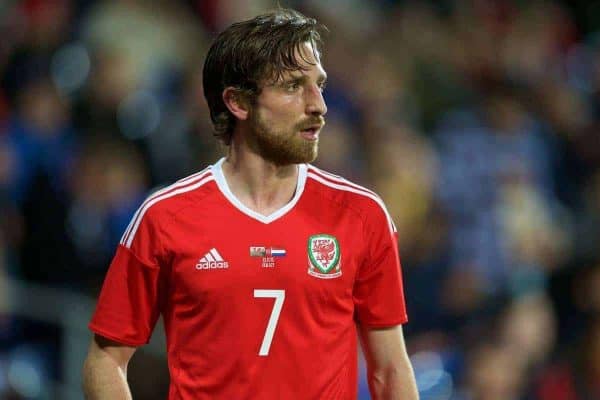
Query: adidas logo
x=212, y=260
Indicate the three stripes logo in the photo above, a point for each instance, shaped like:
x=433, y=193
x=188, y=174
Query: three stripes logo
x=212, y=260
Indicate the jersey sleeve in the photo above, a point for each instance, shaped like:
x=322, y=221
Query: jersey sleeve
x=133, y=290
x=378, y=291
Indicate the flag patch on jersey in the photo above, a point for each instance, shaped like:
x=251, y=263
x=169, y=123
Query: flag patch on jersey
x=324, y=256
x=262, y=251
x=267, y=254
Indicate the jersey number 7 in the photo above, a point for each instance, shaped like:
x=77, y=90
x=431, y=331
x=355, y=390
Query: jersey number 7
x=279, y=296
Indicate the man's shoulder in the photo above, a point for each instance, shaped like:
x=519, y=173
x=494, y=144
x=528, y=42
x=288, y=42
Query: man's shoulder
x=349, y=194
x=163, y=203
x=169, y=198
x=344, y=190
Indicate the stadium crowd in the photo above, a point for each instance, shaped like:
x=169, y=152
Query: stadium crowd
x=476, y=121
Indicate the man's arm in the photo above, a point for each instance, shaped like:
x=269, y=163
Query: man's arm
x=105, y=370
x=389, y=371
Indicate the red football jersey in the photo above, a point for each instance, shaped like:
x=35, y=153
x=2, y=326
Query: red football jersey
x=255, y=307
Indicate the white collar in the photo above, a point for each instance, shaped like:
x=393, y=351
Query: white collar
x=217, y=170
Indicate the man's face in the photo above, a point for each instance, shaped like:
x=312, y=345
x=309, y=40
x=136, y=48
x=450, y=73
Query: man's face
x=287, y=116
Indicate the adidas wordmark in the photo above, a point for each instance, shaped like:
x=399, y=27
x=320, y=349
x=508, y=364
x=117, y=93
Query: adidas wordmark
x=212, y=260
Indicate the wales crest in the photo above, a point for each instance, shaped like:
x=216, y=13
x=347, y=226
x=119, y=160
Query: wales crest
x=324, y=256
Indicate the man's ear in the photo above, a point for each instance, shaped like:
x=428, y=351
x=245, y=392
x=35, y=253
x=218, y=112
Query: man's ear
x=236, y=103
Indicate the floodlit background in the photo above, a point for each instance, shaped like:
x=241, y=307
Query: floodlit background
x=477, y=122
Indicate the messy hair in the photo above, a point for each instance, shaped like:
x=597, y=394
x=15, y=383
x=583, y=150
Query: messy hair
x=252, y=53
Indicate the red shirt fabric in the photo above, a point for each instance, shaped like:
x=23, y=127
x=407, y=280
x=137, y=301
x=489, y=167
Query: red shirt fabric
x=255, y=307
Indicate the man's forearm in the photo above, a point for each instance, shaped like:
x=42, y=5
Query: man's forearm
x=104, y=379
x=393, y=384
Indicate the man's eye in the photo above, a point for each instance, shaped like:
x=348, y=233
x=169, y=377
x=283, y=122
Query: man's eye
x=292, y=86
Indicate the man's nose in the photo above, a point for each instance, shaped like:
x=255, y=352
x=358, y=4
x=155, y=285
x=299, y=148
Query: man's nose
x=315, y=103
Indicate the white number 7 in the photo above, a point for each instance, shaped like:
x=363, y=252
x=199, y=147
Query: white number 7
x=279, y=296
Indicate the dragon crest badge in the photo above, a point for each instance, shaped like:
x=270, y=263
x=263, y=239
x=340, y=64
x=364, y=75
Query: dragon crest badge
x=324, y=256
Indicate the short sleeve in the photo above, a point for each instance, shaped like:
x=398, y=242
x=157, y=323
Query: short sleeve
x=378, y=291
x=133, y=290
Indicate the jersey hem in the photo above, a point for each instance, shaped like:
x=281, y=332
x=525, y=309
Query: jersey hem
x=110, y=336
x=385, y=324
x=139, y=260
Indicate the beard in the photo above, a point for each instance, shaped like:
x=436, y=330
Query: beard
x=282, y=147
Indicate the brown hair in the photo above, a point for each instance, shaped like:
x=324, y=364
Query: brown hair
x=249, y=53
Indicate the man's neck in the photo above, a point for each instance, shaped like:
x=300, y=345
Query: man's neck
x=260, y=185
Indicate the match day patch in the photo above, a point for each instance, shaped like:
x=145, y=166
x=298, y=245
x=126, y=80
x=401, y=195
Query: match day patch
x=324, y=256
x=267, y=254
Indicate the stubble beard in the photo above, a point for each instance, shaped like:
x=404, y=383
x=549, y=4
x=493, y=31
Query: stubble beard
x=281, y=148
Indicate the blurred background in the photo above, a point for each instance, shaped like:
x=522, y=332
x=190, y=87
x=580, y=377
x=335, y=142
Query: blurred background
x=477, y=122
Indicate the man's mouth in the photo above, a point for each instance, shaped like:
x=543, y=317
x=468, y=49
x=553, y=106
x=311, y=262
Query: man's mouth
x=311, y=132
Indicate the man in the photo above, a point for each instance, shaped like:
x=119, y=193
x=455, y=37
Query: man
x=263, y=267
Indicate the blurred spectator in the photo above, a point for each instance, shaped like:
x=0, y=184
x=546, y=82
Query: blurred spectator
x=40, y=137
x=142, y=54
x=407, y=172
x=486, y=153
x=109, y=184
x=529, y=331
x=150, y=38
x=41, y=27
x=494, y=373
x=109, y=84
